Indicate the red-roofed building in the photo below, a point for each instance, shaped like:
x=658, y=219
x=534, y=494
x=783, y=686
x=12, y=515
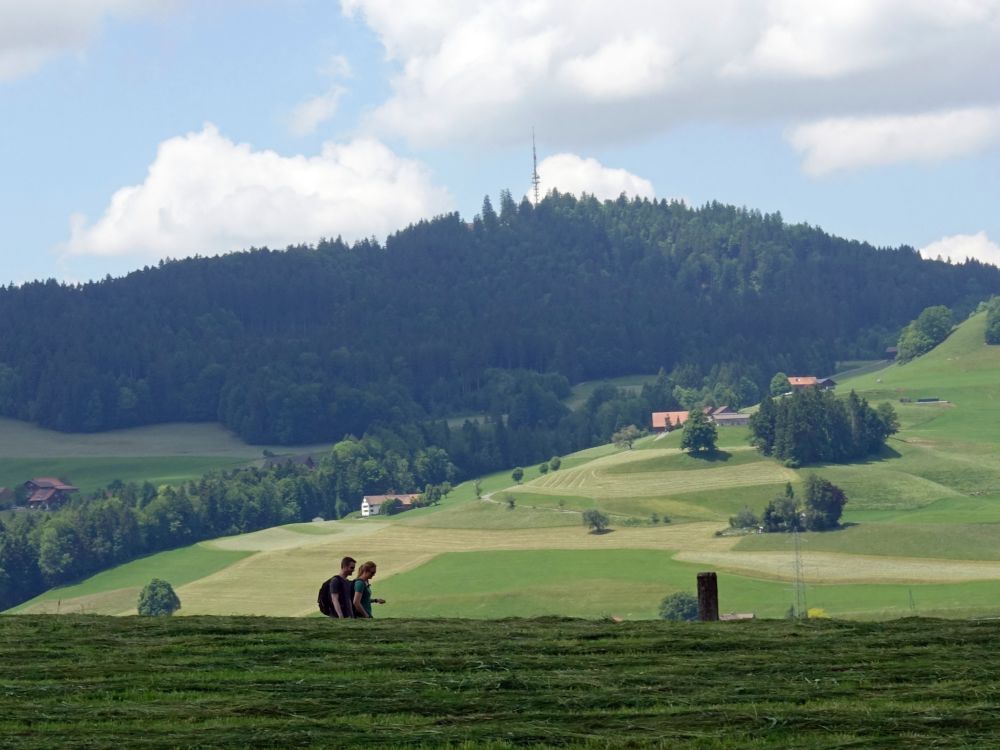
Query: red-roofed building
x=45, y=493
x=811, y=381
x=668, y=420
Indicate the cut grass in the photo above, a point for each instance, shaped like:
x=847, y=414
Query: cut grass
x=688, y=462
x=238, y=682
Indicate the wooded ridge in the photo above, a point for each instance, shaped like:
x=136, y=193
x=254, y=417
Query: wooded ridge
x=314, y=343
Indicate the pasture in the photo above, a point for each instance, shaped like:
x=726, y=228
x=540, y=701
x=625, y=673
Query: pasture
x=160, y=454
x=268, y=682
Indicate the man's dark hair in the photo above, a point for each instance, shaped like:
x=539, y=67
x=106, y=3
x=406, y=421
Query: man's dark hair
x=346, y=561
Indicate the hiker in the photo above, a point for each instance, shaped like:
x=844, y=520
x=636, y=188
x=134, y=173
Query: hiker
x=341, y=588
x=363, y=591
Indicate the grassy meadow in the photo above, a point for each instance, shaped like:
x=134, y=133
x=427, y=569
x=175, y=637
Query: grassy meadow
x=922, y=527
x=279, y=682
x=161, y=454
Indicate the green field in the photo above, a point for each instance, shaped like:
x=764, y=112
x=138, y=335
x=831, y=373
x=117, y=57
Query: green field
x=922, y=534
x=161, y=454
x=268, y=682
x=92, y=474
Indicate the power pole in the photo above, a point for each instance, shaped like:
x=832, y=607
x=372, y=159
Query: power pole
x=535, y=179
x=801, y=608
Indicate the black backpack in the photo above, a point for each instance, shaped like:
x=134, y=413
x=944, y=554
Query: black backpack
x=323, y=600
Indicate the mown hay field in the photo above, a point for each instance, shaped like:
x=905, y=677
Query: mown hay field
x=218, y=682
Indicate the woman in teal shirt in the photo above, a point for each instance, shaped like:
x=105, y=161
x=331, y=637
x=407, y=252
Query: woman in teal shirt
x=363, y=591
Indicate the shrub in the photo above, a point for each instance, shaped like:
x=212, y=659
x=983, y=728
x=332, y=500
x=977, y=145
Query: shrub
x=158, y=598
x=679, y=607
x=745, y=519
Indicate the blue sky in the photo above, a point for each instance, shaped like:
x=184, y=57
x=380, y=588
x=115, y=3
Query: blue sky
x=134, y=130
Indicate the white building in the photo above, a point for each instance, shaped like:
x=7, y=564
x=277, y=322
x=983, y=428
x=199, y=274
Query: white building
x=371, y=505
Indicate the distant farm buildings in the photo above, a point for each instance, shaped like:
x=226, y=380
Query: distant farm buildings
x=371, y=505
x=811, y=381
x=664, y=421
x=45, y=493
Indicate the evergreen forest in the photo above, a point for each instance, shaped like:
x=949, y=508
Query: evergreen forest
x=496, y=316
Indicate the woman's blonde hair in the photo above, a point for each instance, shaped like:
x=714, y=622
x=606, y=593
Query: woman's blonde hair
x=365, y=567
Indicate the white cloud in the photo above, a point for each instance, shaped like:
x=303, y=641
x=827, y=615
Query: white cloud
x=570, y=173
x=313, y=112
x=310, y=114
x=621, y=69
x=590, y=71
x=830, y=39
x=958, y=247
x=204, y=194
x=31, y=33
x=854, y=142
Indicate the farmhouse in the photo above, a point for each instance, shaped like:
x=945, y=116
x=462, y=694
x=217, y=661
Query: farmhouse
x=664, y=421
x=371, y=505
x=811, y=381
x=730, y=418
x=721, y=415
x=45, y=493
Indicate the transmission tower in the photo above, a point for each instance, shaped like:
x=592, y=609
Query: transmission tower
x=535, y=179
x=801, y=610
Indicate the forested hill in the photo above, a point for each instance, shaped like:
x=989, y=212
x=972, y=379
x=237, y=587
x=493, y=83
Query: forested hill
x=313, y=343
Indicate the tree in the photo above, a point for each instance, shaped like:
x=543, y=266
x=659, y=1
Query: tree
x=699, y=435
x=930, y=328
x=392, y=506
x=779, y=384
x=993, y=321
x=824, y=504
x=745, y=519
x=781, y=514
x=158, y=598
x=477, y=486
x=554, y=463
x=888, y=417
x=679, y=607
x=543, y=468
x=596, y=520
x=511, y=501
x=518, y=474
x=762, y=426
x=626, y=436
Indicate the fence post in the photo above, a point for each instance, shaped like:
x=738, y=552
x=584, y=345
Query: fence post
x=708, y=597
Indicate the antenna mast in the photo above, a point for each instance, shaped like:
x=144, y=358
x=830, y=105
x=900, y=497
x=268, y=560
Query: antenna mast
x=535, y=179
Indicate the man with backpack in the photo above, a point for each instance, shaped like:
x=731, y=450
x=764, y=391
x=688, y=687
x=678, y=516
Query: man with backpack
x=337, y=594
